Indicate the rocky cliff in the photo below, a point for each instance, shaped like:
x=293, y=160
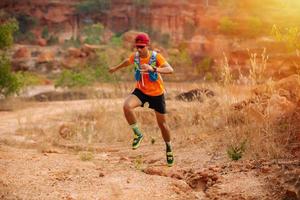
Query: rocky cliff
x=177, y=18
x=194, y=22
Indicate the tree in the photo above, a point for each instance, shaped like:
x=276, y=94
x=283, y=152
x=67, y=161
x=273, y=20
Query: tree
x=9, y=83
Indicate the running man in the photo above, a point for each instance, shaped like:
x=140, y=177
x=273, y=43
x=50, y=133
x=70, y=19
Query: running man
x=149, y=88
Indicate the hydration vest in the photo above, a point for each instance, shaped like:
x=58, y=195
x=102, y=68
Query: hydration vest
x=153, y=76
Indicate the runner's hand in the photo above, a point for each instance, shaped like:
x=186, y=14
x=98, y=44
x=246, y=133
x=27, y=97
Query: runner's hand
x=146, y=67
x=112, y=69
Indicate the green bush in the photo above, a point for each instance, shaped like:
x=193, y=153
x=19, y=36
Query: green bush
x=99, y=67
x=93, y=33
x=227, y=26
x=116, y=41
x=9, y=83
x=69, y=78
x=182, y=59
x=208, y=76
x=235, y=152
x=72, y=43
x=6, y=33
x=95, y=70
x=290, y=36
x=27, y=79
x=205, y=65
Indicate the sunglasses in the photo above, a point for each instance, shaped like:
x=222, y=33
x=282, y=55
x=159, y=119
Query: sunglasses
x=139, y=47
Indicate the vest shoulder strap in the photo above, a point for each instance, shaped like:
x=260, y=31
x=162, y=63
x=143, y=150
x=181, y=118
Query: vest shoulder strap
x=152, y=61
x=137, y=60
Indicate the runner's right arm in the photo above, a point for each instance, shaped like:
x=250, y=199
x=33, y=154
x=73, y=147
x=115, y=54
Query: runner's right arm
x=125, y=63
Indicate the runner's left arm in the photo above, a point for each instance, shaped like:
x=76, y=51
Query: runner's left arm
x=165, y=68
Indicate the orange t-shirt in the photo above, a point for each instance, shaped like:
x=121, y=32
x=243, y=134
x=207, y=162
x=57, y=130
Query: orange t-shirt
x=148, y=87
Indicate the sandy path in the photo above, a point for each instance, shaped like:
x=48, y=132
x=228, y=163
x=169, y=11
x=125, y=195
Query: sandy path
x=115, y=172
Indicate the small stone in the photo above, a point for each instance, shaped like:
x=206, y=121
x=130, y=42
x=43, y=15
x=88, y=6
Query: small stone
x=101, y=174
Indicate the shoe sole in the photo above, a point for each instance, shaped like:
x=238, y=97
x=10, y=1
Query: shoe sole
x=138, y=145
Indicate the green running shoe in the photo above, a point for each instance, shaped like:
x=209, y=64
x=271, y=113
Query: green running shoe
x=137, y=141
x=170, y=158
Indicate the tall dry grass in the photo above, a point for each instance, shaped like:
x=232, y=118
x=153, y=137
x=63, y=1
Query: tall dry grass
x=214, y=123
x=254, y=123
x=257, y=68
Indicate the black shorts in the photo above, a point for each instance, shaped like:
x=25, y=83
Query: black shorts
x=155, y=102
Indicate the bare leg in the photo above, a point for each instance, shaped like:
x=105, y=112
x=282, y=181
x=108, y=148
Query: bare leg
x=130, y=103
x=165, y=131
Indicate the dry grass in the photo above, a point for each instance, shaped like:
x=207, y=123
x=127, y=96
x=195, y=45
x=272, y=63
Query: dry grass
x=257, y=68
x=214, y=122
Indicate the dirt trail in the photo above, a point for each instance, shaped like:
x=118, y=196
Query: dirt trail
x=116, y=171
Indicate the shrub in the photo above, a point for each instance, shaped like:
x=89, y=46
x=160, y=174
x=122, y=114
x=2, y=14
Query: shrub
x=181, y=59
x=99, y=67
x=290, y=36
x=72, y=43
x=86, y=156
x=116, y=41
x=69, y=78
x=208, y=76
x=93, y=33
x=28, y=36
x=6, y=33
x=95, y=70
x=9, y=83
x=28, y=79
x=204, y=65
x=235, y=152
x=227, y=26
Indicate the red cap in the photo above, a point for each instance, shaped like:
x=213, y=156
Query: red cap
x=142, y=39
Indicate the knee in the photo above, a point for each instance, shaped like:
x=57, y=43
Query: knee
x=126, y=107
